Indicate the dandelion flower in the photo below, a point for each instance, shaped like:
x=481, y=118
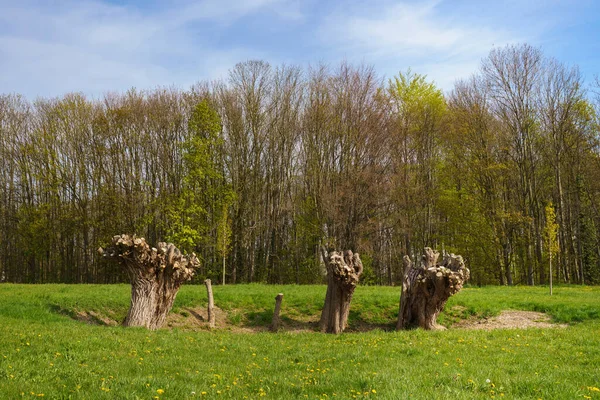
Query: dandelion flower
x=160, y=391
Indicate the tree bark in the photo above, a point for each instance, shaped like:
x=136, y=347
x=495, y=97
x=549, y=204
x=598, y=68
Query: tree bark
x=276, y=320
x=156, y=274
x=343, y=271
x=427, y=287
x=211, y=304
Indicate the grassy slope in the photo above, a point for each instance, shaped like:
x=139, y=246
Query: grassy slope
x=43, y=351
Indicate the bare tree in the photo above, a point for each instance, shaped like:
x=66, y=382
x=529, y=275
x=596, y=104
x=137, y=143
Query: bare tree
x=514, y=75
x=329, y=155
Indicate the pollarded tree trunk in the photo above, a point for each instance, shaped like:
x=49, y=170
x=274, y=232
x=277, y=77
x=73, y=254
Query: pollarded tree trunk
x=156, y=274
x=427, y=287
x=343, y=272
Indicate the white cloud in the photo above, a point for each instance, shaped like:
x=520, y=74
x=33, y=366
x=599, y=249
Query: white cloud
x=445, y=74
x=223, y=11
x=91, y=46
x=50, y=48
x=415, y=35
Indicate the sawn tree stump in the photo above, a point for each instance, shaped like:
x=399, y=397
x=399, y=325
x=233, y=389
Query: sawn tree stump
x=427, y=287
x=155, y=274
x=343, y=272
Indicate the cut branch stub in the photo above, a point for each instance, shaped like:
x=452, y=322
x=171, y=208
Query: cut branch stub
x=155, y=273
x=343, y=272
x=426, y=288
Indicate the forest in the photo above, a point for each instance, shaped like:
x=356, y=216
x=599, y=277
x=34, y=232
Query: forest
x=256, y=171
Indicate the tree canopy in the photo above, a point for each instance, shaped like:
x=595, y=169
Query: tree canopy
x=255, y=172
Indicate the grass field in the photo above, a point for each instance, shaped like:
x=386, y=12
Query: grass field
x=46, y=350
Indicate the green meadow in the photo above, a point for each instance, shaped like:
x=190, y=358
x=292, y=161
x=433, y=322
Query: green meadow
x=64, y=342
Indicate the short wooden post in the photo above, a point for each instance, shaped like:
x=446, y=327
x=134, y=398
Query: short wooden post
x=211, y=304
x=276, y=320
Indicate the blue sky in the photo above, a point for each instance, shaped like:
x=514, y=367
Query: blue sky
x=51, y=47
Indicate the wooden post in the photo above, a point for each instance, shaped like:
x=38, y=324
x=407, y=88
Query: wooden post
x=276, y=320
x=211, y=304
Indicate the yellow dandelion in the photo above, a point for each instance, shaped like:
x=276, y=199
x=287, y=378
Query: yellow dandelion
x=373, y=391
x=160, y=391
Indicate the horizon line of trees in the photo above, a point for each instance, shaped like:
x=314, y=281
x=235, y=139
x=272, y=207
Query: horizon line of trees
x=253, y=173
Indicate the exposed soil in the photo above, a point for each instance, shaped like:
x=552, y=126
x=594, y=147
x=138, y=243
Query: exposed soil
x=196, y=319
x=509, y=319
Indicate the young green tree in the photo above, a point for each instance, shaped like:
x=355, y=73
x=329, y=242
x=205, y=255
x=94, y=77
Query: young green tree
x=224, y=235
x=551, y=236
x=190, y=215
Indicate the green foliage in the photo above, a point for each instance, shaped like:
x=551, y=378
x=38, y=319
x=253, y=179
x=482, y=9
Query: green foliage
x=258, y=171
x=309, y=231
x=224, y=230
x=223, y=238
x=590, y=252
x=192, y=213
x=415, y=98
x=204, y=127
x=368, y=276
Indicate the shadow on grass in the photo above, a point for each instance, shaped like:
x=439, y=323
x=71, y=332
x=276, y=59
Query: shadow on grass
x=357, y=324
x=195, y=314
x=262, y=320
x=259, y=318
x=89, y=317
x=254, y=321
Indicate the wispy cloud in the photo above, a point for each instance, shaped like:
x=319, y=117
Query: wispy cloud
x=93, y=46
x=48, y=48
x=417, y=35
